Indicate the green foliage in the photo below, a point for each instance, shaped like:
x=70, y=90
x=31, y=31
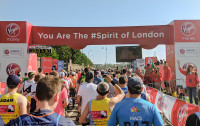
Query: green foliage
x=65, y=53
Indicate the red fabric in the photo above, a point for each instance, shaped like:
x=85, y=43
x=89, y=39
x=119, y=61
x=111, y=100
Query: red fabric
x=167, y=74
x=79, y=74
x=191, y=79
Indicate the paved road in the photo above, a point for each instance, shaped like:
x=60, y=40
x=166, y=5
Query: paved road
x=72, y=113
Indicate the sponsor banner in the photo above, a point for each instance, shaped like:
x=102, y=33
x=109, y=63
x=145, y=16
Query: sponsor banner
x=152, y=93
x=13, y=53
x=55, y=63
x=80, y=37
x=187, y=30
x=32, y=63
x=192, y=51
x=98, y=114
x=134, y=65
x=181, y=110
x=140, y=63
x=3, y=86
x=187, y=53
x=167, y=104
x=60, y=65
x=46, y=64
x=13, y=32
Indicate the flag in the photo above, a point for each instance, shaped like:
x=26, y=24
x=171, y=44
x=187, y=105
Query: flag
x=152, y=65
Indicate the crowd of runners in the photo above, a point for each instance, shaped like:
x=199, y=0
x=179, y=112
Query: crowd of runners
x=104, y=97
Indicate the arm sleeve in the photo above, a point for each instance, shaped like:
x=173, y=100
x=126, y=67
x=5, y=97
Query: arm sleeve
x=28, y=90
x=113, y=118
x=80, y=91
x=157, y=119
x=182, y=71
x=197, y=78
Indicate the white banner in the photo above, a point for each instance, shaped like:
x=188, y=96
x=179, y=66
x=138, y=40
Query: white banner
x=187, y=53
x=140, y=63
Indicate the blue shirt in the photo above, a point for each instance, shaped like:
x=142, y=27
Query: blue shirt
x=97, y=80
x=44, y=117
x=115, y=80
x=135, y=112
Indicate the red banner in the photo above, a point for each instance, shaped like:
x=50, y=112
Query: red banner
x=46, y=64
x=55, y=63
x=152, y=93
x=13, y=32
x=149, y=60
x=181, y=110
x=32, y=63
x=79, y=37
x=187, y=30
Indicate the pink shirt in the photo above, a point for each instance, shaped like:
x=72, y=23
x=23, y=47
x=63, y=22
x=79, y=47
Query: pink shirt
x=59, y=108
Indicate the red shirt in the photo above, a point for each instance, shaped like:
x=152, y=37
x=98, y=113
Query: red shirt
x=167, y=74
x=158, y=77
x=191, y=79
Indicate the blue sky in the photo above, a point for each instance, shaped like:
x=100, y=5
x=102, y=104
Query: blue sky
x=101, y=13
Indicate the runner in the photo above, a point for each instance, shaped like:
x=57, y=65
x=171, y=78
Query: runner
x=73, y=88
x=12, y=104
x=40, y=72
x=27, y=86
x=135, y=111
x=101, y=107
x=122, y=85
x=87, y=91
x=47, y=95
x=25, y=78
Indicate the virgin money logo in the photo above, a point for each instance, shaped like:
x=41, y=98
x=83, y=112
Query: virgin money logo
x=13, y=68
x=182, y=115
x=182, y=51
x=160, y=102
x=188, y=29
x=13, y=30
x=6, y=51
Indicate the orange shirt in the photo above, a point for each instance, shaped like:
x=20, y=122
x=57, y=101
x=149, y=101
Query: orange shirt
x=74, y=80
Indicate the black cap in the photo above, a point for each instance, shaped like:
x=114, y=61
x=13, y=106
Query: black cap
x=132, y=81
x=13, y=81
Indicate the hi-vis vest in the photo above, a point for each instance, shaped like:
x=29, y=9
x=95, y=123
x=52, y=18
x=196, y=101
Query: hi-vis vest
x=99, y=112
x=8, y=108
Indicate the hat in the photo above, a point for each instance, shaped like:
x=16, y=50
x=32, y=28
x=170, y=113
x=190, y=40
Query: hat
x=30, y=74
x=62, y=74
x=103, y=87
x=73, y=73
x=13, y=81
x=132, y=81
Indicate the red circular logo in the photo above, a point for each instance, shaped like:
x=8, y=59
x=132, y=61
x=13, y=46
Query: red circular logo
x=13, y=30
x=182, y=51
x=6, y=52
x=160, y=102
x=182, y=115
x=13, y=68
x=188, y=28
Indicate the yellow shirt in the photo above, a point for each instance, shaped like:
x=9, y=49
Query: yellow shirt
x=8, y=108
x=99, y=112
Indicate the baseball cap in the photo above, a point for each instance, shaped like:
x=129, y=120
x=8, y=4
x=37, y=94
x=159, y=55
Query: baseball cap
x=13, y=81
x=62, y=74
x=103, y=88
x=132, y=81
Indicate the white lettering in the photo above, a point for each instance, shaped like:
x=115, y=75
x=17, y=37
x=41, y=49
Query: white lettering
x=148, y=35
x=13, y=39
x=80, y=36
x=136, y=118
x=40, y=35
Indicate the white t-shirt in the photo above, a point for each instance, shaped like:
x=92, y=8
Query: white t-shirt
x=87, y=91
x=33, y=90
x=26, y=85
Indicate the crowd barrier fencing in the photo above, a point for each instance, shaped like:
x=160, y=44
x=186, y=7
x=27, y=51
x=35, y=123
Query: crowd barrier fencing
x=174, y=110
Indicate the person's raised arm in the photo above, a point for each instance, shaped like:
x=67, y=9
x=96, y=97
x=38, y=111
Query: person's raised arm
x=180, y=69
x=117, y=98
x=20, y=88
